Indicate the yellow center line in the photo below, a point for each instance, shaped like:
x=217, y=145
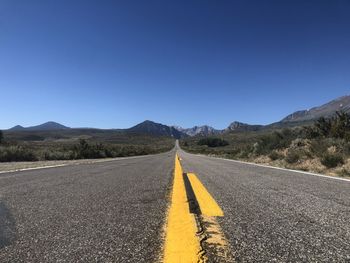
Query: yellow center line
x=181, y=243
x=206, y=202
x=184, y=239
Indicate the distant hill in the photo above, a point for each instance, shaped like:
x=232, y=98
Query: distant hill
x=299, y=118
x=325, y=110
x=153, y=128
x=17, y=128
x=47, y=126
x=204, y=130
x=240, y=126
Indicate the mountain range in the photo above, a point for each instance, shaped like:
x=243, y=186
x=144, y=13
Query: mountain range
x=158, y=129
x=153, y=128
x=325, y=110
x=198, y=130
x=47, y=126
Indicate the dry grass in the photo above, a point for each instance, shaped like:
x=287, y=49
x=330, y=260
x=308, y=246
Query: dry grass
x=307, y=165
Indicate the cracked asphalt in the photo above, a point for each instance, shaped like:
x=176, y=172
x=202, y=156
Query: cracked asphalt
x=103, y=212
x=277, y=216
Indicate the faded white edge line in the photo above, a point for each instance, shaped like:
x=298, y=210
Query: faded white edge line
x=34, y=168
x=71, y=164
x=277, y=168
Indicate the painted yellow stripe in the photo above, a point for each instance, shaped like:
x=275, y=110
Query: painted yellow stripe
x=206, y=202
x=216, y=241
x=181, y=243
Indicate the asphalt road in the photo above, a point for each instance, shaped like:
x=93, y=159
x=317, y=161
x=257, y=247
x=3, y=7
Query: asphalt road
x=277, y=216
x=104, y=212
x=115, y=211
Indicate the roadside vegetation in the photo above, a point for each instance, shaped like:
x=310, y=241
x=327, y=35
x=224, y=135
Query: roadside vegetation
x=213, y=142
x=323, y=147
x=41, y=146
x=1, y=136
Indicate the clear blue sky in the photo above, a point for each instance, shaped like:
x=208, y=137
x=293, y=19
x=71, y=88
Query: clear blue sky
x=112, y=64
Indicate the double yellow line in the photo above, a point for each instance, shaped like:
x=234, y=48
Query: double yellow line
x=182, y=243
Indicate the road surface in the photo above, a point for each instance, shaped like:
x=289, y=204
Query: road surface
x=116, y=211
x=104, y=212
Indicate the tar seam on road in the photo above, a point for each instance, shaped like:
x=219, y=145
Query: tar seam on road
x=194, y=207
x=191, y=226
